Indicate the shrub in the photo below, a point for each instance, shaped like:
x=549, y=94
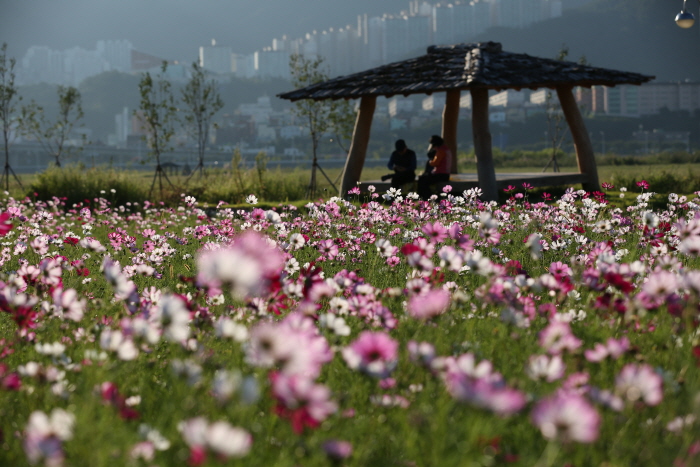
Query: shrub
x=75, y=184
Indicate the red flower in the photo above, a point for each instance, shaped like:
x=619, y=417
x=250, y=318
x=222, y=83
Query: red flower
x=71, y=240
x=5, y=225
x=696, y=354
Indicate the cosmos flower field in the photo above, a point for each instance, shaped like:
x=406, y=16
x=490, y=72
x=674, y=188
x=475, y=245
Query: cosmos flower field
x=375, y=331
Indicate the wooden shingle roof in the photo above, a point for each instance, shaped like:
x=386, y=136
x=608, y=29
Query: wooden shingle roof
x=464, y=66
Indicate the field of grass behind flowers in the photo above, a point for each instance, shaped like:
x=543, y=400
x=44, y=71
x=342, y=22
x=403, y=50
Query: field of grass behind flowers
x=372, y=332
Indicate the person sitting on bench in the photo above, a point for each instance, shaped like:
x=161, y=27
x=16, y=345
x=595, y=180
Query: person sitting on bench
x=403, y=163
x=437, y=169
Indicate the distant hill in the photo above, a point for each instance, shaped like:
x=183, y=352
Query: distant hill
x=629, y=35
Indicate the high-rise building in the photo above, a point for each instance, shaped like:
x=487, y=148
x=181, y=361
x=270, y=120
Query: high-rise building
x=80, y=64
x=42, y=65
x=271, y=64
x=217, y=59
x=117, y=54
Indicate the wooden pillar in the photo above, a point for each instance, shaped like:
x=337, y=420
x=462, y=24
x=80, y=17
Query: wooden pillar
x=450, y=117
x=584, y=149
x=482, y=144
x=358, y=146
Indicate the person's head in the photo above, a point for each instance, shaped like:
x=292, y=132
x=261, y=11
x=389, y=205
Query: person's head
x=400, y=145
x=436, y=141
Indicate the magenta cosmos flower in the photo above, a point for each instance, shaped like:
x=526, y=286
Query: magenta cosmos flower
x=567, y=417
x=374, y=353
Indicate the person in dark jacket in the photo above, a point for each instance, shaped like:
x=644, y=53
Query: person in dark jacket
x=403, y=163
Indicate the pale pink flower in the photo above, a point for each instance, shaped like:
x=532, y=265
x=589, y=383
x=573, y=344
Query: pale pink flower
x=144, y=450
x=228, y=441
x=385, y=248
x=50, y=271
x=545, y=367
x=44, y=436
x=174, y=317
x=567, y=417
x=660, y=284
x=68, y=303
x=450, y=258
x=597, y=354
x=616, y=348
x=423, y=352
x=246, y=266
x=40, y=245
x=268, y=345
x=639, y=382
x=557, y=337
x=485, y=394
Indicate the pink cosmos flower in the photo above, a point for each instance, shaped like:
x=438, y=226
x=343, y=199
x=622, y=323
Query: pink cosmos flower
x=247, y=265
x=436, y=232
x=294, y=346
x=328, y=248
x=560, y=270
x=557, y=337
x=567, y=417
x=429, y=305
x=374, y=353
x=639, y=382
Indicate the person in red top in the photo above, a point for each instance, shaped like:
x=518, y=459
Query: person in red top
x=438, y=167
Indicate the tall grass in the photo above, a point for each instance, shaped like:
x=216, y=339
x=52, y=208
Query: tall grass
x=75, y=184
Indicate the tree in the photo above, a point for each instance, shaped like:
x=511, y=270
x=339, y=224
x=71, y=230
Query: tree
x=320, y=117
x=158, y=115
x=8, y=100
x=54, y=136
x=202, y=101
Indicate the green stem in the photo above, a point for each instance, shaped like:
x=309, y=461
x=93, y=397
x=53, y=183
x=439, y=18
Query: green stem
x=549, y=455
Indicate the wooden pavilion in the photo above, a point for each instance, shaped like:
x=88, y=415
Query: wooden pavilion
x=477, y=68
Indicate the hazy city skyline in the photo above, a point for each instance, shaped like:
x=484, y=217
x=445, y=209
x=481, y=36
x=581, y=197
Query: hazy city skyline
x=173, y=29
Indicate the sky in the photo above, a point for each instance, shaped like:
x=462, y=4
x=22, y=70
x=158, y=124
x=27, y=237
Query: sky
x=174, y=29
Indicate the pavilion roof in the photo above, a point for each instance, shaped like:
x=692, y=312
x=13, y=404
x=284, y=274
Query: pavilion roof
x=464, y=66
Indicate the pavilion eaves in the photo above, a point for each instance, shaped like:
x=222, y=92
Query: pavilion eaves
x=461, y=67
